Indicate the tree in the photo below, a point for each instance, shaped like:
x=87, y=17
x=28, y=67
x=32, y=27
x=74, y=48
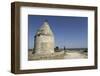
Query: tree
x=64, y=48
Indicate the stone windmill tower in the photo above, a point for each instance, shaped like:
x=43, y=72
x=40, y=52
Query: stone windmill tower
x=44, y=40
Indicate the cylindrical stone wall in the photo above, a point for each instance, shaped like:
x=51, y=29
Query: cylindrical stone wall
x=44, y=44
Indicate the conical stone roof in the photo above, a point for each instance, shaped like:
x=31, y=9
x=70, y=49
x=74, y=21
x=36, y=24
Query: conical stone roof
x=44, y=29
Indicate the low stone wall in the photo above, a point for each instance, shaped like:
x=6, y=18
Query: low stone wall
x=56, y=55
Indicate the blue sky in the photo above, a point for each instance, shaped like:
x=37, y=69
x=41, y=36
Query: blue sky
x=69, y=31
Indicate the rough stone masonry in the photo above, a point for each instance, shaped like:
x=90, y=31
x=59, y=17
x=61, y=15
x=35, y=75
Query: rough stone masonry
x=44, y=40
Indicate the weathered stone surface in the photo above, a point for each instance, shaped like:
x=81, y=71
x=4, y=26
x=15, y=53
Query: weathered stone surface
x=44, y=40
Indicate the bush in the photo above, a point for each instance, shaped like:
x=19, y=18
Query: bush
x=85, y=50
x=33, y=51
x=56, y=48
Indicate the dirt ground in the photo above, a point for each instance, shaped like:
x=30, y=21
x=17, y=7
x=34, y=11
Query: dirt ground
x=58, y=55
